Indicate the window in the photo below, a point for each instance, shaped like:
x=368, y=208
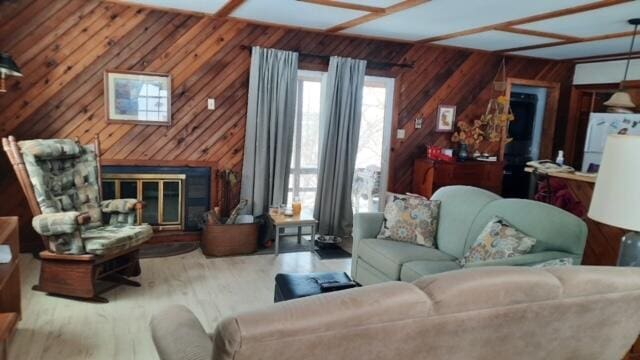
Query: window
x=303, y=180
x=373, y=145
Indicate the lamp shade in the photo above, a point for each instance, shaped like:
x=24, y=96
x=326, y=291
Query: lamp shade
x=8, y=66
x=620, y=99
x=616, y=197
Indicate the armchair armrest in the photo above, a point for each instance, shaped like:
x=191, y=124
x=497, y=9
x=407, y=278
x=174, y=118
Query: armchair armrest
x=528, y=259
x=120, y=206
x=59, y=223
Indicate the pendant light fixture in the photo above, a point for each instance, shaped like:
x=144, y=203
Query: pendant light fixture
x=7, y=67
x=621, y=101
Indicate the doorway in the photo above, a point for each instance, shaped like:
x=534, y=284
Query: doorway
x=534, y=105
x=372, y=158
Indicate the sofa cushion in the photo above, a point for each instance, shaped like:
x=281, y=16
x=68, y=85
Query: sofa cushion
x=115, y=238
x=498, y=240
x=414, y=270
x=490, y=287
x=412, y=219
x=459, y=206
x=388, y=255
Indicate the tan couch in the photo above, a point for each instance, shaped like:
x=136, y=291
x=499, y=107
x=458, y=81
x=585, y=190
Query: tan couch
x=483, y=313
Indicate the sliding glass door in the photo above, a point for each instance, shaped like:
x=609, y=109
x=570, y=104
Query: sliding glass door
x=303, y=180
x=370, y=178
x=371, y=173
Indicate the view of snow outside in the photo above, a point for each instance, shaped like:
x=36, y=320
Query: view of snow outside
x=304, y=164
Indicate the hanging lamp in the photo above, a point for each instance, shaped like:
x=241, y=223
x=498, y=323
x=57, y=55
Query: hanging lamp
x=7, y=67
x=621, y=101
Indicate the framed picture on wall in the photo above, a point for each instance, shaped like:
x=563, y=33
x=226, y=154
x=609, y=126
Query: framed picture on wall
x=137, y=97
x=446, y=118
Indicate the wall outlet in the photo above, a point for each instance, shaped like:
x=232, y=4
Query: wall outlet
x=400, y=134
x=211, y=104
x=419, y=122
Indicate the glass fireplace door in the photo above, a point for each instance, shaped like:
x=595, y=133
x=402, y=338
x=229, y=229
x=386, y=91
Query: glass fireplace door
x=163, y=196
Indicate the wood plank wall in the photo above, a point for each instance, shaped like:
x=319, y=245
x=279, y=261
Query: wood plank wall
x=64, y=46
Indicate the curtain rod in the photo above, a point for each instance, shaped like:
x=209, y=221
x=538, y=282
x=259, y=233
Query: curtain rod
x=327, y=57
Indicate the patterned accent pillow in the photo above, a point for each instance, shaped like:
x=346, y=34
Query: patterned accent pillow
x=498, y=240
x=412, y=219
x=555, y=262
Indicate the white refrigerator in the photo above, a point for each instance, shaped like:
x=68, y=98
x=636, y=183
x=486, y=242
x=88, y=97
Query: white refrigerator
x=602, y=125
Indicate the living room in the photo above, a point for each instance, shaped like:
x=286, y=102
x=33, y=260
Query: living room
x=310, y=179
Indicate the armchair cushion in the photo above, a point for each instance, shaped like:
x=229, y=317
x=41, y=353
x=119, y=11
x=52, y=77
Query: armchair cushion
x=51, y=148
x=121, y=206
x=56, y=224
x=115, y=238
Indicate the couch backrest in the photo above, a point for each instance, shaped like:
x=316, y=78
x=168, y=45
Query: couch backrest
x=459, y=206
x=64, y=176
x=569, y=312
x=553, y=228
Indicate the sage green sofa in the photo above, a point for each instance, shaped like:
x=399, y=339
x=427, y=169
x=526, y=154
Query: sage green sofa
x=464, y=212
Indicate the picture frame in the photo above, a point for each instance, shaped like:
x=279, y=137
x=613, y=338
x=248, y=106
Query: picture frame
x=136, y=97
x=446, y=118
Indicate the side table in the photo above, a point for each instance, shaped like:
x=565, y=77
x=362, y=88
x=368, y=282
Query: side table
x=281, y=221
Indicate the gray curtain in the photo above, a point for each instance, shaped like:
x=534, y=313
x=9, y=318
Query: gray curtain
x=340, y=112
x=269, y=132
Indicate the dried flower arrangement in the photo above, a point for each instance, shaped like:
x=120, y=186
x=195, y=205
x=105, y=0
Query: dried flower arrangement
x=492, y=123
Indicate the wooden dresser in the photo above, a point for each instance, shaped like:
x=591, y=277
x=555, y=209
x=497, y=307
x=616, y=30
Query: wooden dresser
x=430, y=175
x=10, y=309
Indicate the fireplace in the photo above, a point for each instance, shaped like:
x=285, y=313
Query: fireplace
x=175, y=197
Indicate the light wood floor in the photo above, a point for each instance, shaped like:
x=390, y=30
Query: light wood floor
x=56, y=328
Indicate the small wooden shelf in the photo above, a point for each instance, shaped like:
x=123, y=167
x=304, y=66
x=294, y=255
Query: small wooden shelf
x=10, y=299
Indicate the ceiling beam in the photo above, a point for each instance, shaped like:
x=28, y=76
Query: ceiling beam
x=537, y=33
x=607, y=57
x=401, y=6
x=346, y=5
x=229, y=8
x=557, y=43
x=530, y=19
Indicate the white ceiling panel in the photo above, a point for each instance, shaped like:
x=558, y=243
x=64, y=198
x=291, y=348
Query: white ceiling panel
x=295, y=13
x=495, y=40
x=203, y=6
x=376, y=3
x=591, y=48
x=439, y=17
x=609, y=20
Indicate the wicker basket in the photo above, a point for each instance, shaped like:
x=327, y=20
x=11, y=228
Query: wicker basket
x=229, y=240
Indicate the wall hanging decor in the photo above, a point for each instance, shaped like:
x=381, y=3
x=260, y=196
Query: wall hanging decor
x=492, y=125
x=137, y=97
x=445, y=122
x=8, y=67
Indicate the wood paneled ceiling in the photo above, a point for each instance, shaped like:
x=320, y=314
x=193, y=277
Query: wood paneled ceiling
x=552, y=29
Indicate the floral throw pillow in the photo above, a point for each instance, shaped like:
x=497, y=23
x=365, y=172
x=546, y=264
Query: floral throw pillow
x=555, y=262
x=412, y=219
x=498, y=240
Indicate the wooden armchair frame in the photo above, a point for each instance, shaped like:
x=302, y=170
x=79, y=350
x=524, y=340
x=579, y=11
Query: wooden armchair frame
x=79, y=276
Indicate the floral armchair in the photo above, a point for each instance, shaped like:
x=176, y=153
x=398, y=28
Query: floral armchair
x=65, y=180
x=86, y=240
